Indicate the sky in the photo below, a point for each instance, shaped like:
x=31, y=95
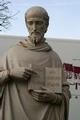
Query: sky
x=64, y=18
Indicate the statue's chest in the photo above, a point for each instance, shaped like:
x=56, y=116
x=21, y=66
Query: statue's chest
x=32, y=57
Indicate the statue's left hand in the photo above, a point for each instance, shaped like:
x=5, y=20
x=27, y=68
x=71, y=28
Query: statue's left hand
x=47, y=96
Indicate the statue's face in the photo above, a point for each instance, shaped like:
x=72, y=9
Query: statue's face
x=36, y=27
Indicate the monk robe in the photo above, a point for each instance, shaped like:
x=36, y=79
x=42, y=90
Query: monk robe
x=16, y=102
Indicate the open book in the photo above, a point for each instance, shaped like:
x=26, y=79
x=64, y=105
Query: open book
x=53, y=79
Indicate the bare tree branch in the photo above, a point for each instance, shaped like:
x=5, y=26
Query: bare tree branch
x=5, y=14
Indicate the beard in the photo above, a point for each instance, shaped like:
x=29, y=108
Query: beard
x=36, y=37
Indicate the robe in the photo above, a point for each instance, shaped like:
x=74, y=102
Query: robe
x=16, y=103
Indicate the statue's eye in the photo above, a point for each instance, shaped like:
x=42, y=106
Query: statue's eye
x=29, y=22
x=39, y=22
x=35, y=22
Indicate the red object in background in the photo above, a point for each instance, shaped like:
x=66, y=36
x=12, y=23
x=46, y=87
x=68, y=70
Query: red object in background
x=68, y=67
x=76, y=69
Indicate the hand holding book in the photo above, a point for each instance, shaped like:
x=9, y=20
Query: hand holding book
x=46, y=96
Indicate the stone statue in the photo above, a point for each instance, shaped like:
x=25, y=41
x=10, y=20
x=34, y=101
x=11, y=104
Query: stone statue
x=23, y=94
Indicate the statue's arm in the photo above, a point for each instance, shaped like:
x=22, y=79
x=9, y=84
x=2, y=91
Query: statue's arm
x=65, y=95
x=19, y=74
x=50, y=97
x=4, y=76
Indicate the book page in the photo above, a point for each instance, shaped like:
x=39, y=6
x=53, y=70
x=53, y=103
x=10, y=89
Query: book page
x=53, y=79
x=37, y=80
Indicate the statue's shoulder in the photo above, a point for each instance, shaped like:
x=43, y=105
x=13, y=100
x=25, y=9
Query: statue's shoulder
x=55, y=56
x=14, y=47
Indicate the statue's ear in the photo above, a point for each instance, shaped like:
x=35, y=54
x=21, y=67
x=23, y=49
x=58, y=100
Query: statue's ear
x=46, y=27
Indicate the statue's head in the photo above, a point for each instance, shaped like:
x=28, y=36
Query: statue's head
x=37, y=21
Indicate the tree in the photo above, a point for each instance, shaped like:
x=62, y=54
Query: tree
x=4, y=14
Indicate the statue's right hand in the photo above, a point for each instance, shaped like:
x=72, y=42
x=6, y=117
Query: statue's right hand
x=20, y=73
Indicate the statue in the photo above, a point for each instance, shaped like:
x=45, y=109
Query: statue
x=23, y=94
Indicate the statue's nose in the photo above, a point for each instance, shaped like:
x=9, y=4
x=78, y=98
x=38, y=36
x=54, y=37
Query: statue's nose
x=34, y=26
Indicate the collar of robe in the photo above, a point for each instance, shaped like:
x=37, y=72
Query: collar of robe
x=43, y=46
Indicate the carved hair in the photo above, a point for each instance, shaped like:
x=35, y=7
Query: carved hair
x=37, y=11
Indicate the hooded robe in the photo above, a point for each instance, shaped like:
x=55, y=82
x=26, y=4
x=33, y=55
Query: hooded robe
x=16, y=103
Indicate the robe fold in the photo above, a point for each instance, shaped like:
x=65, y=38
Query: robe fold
x=16, y=103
